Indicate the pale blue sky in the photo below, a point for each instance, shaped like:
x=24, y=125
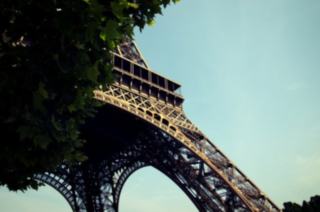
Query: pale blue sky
x=250, y=74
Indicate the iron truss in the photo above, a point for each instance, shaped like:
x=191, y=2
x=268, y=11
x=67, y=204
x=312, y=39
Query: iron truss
x=129, y=50
x=135, y=130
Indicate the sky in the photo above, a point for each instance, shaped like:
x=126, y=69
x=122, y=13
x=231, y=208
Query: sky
x=249, y=71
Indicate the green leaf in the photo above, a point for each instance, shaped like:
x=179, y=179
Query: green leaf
x=103, y=36
x=151, y=22
x=110, y=31
x=79, y=45
x=25, y=132
x=133, y=5
x=42, y=91
x=72, y=108
x=42, y=141
x=38, y=102
x=87, y=1
x=93, y=72
x=39, y=96
x=56, y=124
x=117, y=9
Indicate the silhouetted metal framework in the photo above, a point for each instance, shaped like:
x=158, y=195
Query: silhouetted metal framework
x=142, y=123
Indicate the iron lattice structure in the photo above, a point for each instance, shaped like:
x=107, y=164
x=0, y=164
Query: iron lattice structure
x=142, y=123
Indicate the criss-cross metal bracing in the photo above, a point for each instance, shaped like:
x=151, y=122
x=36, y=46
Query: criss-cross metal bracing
x=171, y=120
x=129, y=50
x=170, y=142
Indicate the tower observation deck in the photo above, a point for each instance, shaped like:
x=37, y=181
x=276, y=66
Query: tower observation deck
x=138, y=77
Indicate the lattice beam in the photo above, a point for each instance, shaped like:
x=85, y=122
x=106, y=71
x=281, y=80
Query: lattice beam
x=137, y=128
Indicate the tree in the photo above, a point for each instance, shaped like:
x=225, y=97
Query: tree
x=312, y=206
x=53, y=54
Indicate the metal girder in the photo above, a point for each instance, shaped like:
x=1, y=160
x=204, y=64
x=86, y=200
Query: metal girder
x=163, y=137
x=183, y=131
x=129, y=50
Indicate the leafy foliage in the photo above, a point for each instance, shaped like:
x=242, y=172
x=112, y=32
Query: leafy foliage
x=53, y=54
x=312, y=206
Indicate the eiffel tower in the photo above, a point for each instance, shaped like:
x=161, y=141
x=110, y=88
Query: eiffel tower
x=142, y=123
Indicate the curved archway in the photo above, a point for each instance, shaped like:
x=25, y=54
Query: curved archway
x=147, y=189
